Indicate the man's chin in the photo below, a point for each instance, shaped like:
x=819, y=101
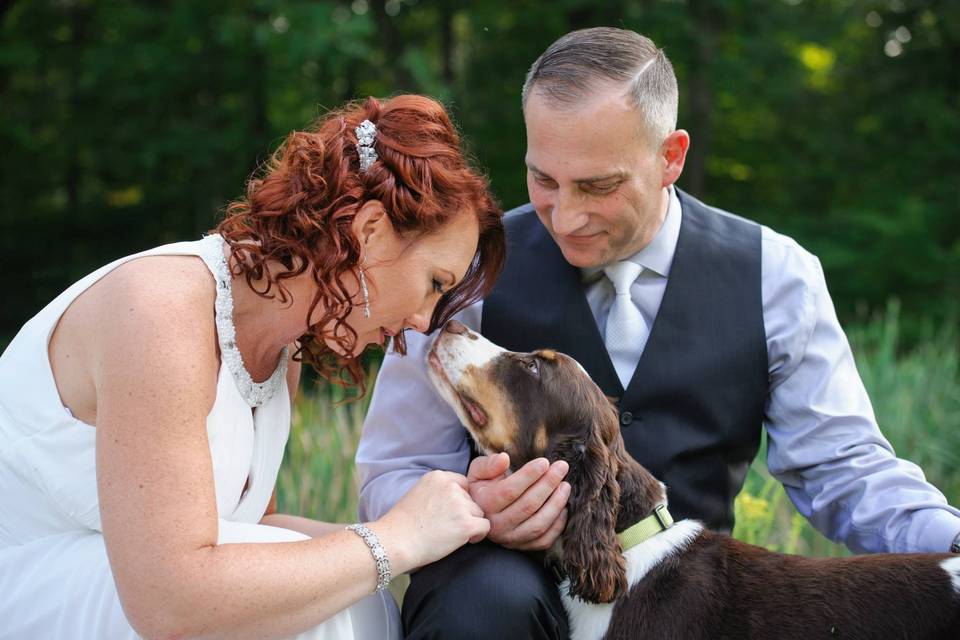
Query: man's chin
x=583, y=257
x=585, y=253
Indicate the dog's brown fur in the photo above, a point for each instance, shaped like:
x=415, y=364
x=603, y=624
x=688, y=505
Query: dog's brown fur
x=715, y=587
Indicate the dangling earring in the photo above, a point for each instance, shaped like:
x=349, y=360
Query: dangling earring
x=366, y=294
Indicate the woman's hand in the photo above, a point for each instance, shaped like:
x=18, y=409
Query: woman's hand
x=436, y=517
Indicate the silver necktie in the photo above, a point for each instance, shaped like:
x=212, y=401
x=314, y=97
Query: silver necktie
x=627, y=331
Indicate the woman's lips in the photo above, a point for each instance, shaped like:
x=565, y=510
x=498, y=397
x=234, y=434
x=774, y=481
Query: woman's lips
x=385, y=335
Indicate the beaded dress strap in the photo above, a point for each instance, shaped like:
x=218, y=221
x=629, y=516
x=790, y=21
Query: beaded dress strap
x=253, y=393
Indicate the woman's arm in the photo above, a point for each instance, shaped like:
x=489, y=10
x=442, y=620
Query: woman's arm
x=306, y=526
x=155, y=368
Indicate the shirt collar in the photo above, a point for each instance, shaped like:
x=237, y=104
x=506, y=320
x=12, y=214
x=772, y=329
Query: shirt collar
x=658, y=255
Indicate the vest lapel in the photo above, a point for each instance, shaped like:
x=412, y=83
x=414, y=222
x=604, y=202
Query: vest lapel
x=561, y=317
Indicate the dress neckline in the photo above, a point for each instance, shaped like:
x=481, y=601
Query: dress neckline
x=253, y=393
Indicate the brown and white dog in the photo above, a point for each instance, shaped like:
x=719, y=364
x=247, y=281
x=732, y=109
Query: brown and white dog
x=684, y=582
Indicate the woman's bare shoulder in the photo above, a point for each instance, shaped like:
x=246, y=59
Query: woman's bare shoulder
x=169, y=277
x=161, y=307
x=158, y=308
x=174, y=288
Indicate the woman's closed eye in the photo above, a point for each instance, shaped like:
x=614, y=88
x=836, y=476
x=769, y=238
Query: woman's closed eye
x=437, y=287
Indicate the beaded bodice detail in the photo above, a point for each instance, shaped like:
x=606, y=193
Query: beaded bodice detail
x=253, y=393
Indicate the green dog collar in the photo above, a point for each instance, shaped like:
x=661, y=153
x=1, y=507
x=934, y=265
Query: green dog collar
x=659, y=520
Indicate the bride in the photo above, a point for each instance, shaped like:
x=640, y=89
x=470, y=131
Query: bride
x=144, y=412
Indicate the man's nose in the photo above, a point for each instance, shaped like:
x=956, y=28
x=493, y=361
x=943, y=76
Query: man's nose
x=565, y=217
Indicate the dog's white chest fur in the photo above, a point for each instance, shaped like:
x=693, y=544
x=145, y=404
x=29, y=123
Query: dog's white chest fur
x=590, y=621
x=952, y=567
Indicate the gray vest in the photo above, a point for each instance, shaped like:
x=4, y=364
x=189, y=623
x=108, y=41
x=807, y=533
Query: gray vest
x=692, y=412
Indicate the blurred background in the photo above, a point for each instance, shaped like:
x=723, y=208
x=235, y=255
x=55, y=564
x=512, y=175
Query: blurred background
x=130, y=124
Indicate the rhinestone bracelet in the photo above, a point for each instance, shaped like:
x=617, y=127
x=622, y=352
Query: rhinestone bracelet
x=378, y=552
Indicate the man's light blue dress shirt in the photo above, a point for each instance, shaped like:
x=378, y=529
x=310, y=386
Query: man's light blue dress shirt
x=823, y=441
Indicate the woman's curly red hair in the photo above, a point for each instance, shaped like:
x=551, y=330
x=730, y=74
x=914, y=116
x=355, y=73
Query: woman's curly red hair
x=297, y=216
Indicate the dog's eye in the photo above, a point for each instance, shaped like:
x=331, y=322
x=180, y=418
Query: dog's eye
x=533, y=366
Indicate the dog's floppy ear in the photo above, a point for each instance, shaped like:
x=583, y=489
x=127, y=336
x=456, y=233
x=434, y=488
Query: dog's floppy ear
x=591, y=554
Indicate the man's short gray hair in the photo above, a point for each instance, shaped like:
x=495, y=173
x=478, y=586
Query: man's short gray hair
x=571, y=69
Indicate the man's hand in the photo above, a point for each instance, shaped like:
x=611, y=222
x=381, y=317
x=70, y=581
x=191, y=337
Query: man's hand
x=526, y=509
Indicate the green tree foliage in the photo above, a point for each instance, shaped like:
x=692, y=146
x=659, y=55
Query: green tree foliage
x=128, y=124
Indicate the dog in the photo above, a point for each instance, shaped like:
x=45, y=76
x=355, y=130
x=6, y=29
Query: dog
x=630, y=572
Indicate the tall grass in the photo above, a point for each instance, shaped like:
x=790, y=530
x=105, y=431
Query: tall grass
x=916, y=397
x=915, y=392
x=317, y=478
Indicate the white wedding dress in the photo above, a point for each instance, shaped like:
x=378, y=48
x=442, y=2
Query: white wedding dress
x=55, y=579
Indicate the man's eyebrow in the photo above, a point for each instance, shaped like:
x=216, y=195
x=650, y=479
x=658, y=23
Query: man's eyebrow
x=533, y=167
x=615, y=175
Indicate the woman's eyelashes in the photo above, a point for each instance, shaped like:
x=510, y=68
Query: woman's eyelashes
x=437, y=287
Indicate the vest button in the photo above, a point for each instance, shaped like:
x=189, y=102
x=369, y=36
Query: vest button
x=626, y=418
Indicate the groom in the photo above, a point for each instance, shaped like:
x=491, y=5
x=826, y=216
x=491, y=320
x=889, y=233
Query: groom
x=704, y=325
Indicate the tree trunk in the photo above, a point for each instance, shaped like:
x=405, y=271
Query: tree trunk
x=701, y=97
x=446, y=41
x=73, y=177
x=393, y=47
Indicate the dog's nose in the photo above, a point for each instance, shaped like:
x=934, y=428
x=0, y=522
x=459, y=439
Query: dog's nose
x=457, y=327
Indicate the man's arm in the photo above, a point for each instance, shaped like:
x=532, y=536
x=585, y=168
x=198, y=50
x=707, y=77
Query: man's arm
x=824, y=442
x=409, y=430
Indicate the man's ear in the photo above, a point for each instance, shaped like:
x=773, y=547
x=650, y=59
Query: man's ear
x=673, y=154
x=371, y=224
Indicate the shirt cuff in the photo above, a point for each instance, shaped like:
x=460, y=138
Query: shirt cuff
x=939, y=533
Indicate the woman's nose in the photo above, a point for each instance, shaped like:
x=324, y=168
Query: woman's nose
x=419, y=321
